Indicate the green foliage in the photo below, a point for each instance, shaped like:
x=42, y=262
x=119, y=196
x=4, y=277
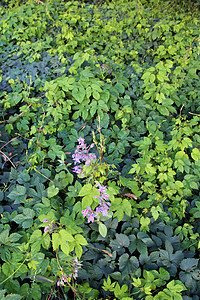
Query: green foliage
x=125, y=76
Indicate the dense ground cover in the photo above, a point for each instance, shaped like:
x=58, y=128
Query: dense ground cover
x=113, y=214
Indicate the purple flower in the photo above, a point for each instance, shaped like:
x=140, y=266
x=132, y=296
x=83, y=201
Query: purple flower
x=89, y=213
x=62, y=280
x=46, y=220
x=76, y=159
x=103, y=209
x=91, y=217
x=76, y=266
x=50, y=227
x=82, y=154
x=46, y=228
x=81, y=140
x=102, y=189
x=78, y=169
x=86, y=211
x=87, y=162
x=105, y=196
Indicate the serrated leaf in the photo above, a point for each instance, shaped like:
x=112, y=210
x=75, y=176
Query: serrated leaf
x=78, y=94
x=168, y=246
x=164, y=274
x=36, y=235
x=144, y=223
x=195, y=154
x=85, y=189
x=128, y=265
x=120, y=88
x=27, y=224
x=52, y=191
x=46, y=241
x=189, y=264
x=18, y=195
x=65, y=236
x=65, y=248
x=55, y=240
x=141, y=247
x=78, y=250
x=96, y=95
x=132, y=247
x=80, y=239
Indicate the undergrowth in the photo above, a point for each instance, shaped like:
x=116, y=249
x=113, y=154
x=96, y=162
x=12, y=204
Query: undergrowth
x=99, y=150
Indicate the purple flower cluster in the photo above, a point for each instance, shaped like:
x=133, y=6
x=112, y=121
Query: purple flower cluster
x=102, y=208
x=50, y=227
x=82, y=155
x=75, y=265
x=62, y=280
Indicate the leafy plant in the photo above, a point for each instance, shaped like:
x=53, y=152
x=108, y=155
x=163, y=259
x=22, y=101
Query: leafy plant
x=115, y=216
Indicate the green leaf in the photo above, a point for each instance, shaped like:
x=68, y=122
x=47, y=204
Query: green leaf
x=120, y=88
x=36, y=235
x=128, y=265
x=18, y=195
x=195, y=154
x=96, y=95
x=46, y=241
x=144, y=223
x=164, y=274
x=127, y=207
x=55, y=240
x=102, y=229
x=193, y=185
x=155, y=212
x=80, y=239
x=141, y=247
x=78, y=251
x=121, y=241
x=7, y=269
x=78, y=94
x=189, y=264
x=14, y=237
x=180, y=155
x=65, y=248
x=52, y=191
x=65, y=236
x=1, y=195
x=13, y=297
x=96, y=87
x=107, y=285
x=163, y=110
x=175, y=286
x=85, y=189
x=152, y=78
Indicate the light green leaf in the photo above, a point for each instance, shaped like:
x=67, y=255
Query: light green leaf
x=195, y=154
x=78, y=251
x=55, y=240
x=80, y=239
x=102, y=229
x=96, y=95
x=85, y=189
x=65, y=236
x=65, y=248
x=52, y=191
x=144, y=223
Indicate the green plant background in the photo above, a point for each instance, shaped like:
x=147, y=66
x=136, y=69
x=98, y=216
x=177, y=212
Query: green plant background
x=135, y=66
